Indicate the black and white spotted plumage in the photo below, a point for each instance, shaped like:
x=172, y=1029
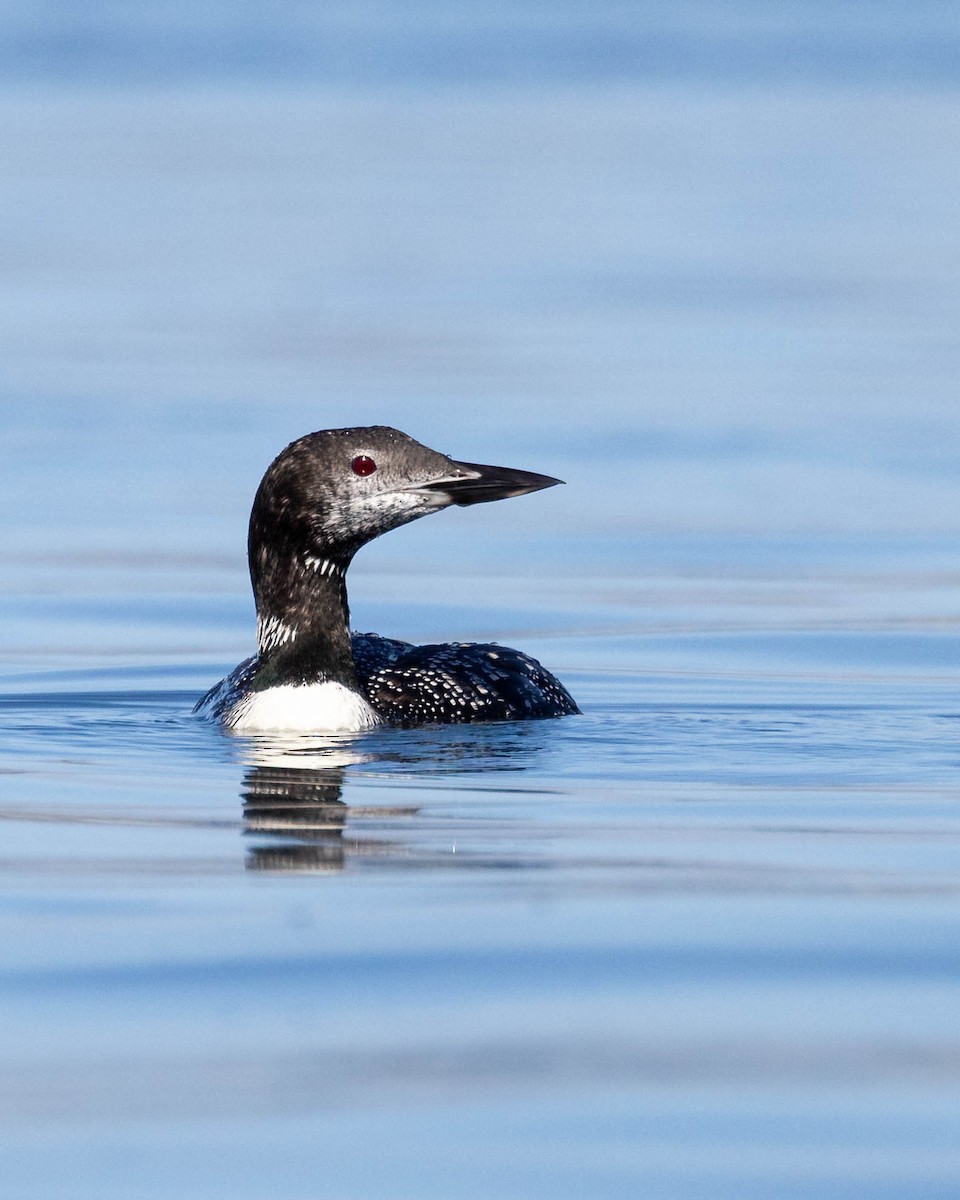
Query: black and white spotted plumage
x=455, y=682
x=323, y=498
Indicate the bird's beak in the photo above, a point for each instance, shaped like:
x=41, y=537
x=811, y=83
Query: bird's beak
x=472, y=483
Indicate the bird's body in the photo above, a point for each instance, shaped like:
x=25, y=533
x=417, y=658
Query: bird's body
x=322, y=498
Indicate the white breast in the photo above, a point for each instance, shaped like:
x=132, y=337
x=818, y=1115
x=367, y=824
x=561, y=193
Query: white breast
x=308, y=708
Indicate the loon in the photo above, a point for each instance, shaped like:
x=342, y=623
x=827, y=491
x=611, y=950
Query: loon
x=323, y=497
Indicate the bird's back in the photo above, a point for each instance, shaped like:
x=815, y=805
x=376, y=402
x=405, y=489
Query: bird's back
x=455, y=683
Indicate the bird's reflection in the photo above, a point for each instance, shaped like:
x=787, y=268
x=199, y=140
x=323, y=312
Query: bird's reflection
x=296, y=816
x=293, y=811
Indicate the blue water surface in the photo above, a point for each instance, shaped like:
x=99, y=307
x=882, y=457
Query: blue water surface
x=701, y=262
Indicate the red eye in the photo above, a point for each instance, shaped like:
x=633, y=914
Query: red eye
x=363, y=465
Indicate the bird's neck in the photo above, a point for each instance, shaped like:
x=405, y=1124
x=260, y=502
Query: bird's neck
x=303, y=622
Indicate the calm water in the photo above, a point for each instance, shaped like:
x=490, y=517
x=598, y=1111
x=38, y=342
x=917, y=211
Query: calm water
x=702, y=940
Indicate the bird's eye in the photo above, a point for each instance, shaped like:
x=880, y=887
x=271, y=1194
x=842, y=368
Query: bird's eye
x=363, y=464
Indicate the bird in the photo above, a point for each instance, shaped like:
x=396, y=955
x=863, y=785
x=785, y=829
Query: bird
x=322, y=498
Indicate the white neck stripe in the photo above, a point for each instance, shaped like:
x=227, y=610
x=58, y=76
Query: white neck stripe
x=322, y=566
x=272, y=632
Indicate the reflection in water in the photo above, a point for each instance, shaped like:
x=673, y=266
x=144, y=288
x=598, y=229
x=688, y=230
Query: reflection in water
x=301, y=811
x=299, y=819
x=430, y=749
x=291, y=798
x=292, y=802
